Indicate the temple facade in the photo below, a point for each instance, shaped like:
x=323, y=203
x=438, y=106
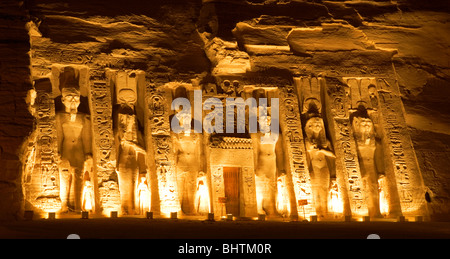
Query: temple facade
x=104, y=141
x=338, y=108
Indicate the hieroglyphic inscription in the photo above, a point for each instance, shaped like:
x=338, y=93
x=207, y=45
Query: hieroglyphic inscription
x=401, y=160
x=249, y=191
x=46, y=174
x=347, y=165
x=294, y=143
x=351, y=166
x=101, y=107
x=218, y=190
x=394, y=131
x=158, y=117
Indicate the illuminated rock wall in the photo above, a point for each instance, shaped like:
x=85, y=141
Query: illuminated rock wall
x=372, y=76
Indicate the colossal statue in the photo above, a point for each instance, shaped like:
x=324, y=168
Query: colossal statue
x=319, y=153
x=266, y=166
x=187, y=159
x=74, y=143
x=364, y=133
x=130, y=161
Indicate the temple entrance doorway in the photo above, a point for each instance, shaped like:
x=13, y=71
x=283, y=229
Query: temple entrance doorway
x=231, y=180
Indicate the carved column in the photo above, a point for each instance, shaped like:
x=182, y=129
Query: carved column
x=348, y=174
x=42, y=182
x=104, y=153
x=218, y=190
x=294, y=146
x=160, y=142
x=403, y=176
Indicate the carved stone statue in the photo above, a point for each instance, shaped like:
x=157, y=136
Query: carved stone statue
x=74, y=143
x=143, y=194
x=88, y=196
x=187, y=161
x=266, y=168
x=283, y=205
x=319, y=153
x=130, y=161
x=363, y=130
x=202, y=204
x=335, y=203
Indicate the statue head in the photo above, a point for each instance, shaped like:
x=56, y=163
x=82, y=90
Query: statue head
x=127, y=127
x=363, y=129
x=71, y=99
x=315, y=131
x=264, y=118
x=314, y=125
x=372, y=91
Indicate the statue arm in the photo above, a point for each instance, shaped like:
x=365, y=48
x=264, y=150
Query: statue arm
x=87, y=137
x=379, y=158
x=328, y=151
x=59, y=132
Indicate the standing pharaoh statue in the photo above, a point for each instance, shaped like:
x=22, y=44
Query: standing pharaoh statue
x=130, y=160
x=266, y=166
x=187, y=161
x=320, y=155
x=364, y=133
x=74, y=143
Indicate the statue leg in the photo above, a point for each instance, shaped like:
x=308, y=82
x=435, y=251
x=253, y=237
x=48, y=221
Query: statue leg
x=182, y=182
x=259, y=194
x=320, y=183
x=64, y=179
x=271, y=196
x=78, y=188
x=126, y=189
x=191, y=191
x=374, y=196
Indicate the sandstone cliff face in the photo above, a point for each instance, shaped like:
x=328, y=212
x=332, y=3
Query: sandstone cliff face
x=193, y=41
x=15, y=121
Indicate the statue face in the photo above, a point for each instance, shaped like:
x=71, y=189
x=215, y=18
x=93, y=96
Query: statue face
x=127, y=127
x=372, y=91
x=71, y=100
x=365, y=125
x=315, y=124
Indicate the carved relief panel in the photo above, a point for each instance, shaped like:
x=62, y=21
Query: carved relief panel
x=159, y=141
x=348, y=174
x=294, y=146
x=42, y=180
x=401, y=166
